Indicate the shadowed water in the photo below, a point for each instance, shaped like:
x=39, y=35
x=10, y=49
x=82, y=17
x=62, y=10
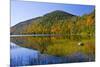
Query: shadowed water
x=21, y=56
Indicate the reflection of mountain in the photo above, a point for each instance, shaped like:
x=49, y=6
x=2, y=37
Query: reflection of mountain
x=56, y=22
x=20, y=56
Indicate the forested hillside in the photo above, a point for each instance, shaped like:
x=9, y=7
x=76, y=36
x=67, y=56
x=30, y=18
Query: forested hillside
x=57, y=22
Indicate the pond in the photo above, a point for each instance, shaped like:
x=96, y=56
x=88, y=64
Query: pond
x=40, y=50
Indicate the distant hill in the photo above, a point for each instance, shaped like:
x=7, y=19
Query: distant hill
x=56, y=22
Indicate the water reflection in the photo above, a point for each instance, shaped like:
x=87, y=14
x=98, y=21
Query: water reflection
x=30, y=50
x=22, y=56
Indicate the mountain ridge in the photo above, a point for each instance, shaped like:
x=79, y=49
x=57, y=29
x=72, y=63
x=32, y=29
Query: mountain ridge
x=47, y=14
x=44, y=24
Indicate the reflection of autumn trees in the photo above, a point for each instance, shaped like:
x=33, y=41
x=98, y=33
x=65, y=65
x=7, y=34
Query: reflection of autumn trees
x=56, y=45
x=38, y=43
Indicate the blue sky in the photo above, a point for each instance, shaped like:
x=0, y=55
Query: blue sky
x=24, y=10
